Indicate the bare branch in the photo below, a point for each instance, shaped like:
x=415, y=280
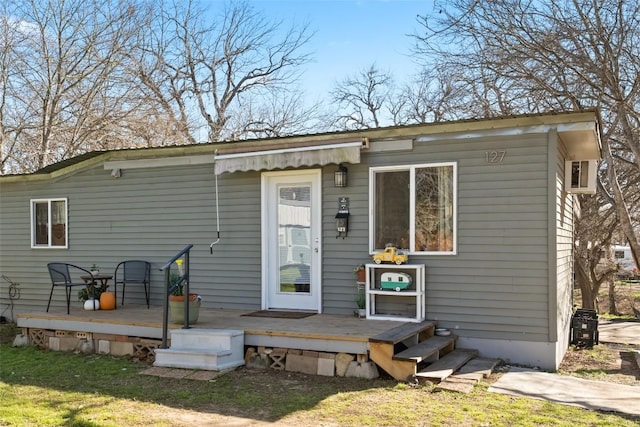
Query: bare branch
x=361, y=100
x=519, y=56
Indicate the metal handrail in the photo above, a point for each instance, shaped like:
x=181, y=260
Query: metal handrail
x=167, y=292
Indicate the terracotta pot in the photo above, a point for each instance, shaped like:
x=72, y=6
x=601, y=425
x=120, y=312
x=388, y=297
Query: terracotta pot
x=192, y=297
x=107, y=301
x=361, y=275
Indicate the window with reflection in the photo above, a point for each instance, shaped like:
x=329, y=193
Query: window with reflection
x=294, y=230
x=49, y=223
x=414, y=208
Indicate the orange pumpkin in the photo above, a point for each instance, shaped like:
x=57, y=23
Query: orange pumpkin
x=107, y=301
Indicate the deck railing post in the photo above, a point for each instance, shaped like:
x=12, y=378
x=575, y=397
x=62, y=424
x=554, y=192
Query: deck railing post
x=187, y=298
x=165, y=309
x=168, y=289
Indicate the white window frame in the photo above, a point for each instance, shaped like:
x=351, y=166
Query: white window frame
x=412, y=205
x=49, y=245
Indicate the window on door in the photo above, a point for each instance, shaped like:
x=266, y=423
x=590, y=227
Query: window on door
x=414, y=208
x=49, y=223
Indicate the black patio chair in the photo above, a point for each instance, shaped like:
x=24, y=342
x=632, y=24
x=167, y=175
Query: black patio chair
x=133, y=272
x=60, y=273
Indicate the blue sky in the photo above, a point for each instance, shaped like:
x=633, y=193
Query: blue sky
x=351, y=35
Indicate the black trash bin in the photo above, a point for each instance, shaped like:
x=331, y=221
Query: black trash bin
x=584, y=328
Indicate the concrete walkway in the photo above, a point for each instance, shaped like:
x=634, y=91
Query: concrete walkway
x=568, y=390
x=598, y=395
x=619, y=332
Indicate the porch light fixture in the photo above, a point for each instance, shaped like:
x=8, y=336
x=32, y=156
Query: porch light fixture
x=340, y=176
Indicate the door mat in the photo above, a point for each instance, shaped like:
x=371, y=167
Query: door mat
x=280, y=314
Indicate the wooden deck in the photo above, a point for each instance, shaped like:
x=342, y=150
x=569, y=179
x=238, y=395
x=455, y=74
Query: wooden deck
x=319, y=332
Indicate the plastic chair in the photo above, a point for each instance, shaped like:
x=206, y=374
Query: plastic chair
x=133, y=272
x=61, y=276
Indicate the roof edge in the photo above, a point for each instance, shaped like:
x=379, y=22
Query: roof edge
x=91, y=159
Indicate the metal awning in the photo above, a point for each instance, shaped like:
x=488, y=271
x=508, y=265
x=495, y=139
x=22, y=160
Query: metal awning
x=288, y=157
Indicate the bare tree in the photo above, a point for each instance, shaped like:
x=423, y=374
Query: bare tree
x=11, y=119
x=65, y=90
x=562, y=54
x=203, y=70
x=432, y=96
x=273, y=115
x=596, y=227
x=78, y=76
x=364, y=100
x=371, y=99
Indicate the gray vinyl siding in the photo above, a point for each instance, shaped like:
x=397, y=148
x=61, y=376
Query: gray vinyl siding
x=147, y=214
x=340, y=255
x=564, y=211
x=496, y=286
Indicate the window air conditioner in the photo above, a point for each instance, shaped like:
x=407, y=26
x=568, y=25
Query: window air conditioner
x=580, y=176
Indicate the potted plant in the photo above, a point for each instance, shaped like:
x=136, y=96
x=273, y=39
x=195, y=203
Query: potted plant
x=359, y=271
x=176, y=299
x=361, y=302
x=90, y=295
x=177, y=293
x=94, y=269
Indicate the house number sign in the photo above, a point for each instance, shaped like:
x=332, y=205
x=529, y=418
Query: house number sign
x=495, y=156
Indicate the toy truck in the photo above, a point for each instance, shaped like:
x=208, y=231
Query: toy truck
x=391, y=254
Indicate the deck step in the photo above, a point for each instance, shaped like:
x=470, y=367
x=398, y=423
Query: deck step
x=465, y=378
x=476, y=369
x=404, y=331
x=213, y=360
x=426, y=349
x=446, y=365
x=206, y=339
x=208, y=349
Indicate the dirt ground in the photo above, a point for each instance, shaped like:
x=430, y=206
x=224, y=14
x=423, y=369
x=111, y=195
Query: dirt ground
x=607, y=361
x=604, y=362
x=627, y=296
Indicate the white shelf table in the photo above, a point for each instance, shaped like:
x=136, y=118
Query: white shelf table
x=416, y=290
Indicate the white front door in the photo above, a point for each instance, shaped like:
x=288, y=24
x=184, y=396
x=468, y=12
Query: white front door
x=291, y=255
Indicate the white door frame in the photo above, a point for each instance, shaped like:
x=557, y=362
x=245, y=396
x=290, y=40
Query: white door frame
x=270, y=243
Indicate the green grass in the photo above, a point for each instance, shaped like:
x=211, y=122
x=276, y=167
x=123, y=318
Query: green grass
x=49, y=389
x=609, y=316
x=8, y=332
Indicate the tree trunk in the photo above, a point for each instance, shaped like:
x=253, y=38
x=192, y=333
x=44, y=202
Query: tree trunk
x=620, y=204
x=588, y=295
x=612, y=298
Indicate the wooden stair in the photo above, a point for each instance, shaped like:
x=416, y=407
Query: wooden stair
x=446, y=366
x=465, y=378
x=403, y=350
